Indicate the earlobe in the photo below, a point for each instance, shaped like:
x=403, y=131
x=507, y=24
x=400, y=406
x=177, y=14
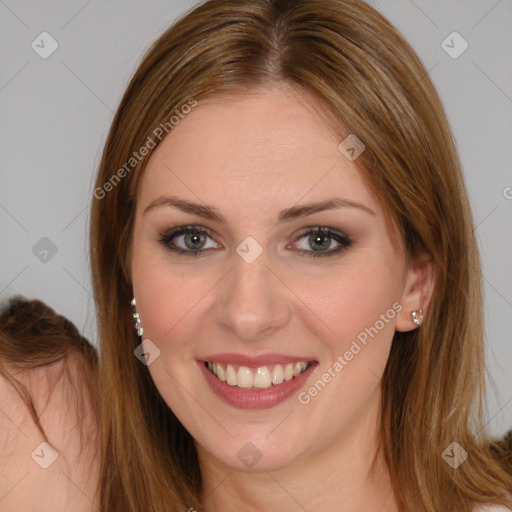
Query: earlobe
x=416, y=295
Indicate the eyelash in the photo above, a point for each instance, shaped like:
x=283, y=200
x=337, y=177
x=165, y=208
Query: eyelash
x=341, y=238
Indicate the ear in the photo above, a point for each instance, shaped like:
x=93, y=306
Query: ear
x=417, y=292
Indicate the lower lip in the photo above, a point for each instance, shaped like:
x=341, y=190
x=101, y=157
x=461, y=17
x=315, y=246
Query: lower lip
x=254, y=398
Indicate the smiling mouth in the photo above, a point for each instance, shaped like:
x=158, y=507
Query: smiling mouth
x=262, y=377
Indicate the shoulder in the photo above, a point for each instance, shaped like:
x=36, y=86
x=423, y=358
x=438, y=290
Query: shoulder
x=491, y=508
x=48, y=384
x=60, y=474
x=495, y=508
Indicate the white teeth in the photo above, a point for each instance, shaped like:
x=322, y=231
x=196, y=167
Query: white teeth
x=299, y=368
x=277, y=374
x=220, y=372
x=261, y=378
x=244, y=377
x=230, y=375
x=288, y=372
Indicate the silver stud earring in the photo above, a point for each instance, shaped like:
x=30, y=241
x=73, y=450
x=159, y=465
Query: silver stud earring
x=417, y=316
x=136, y=319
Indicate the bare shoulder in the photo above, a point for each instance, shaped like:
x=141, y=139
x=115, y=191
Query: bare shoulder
x=491, y=508
x=60, y=475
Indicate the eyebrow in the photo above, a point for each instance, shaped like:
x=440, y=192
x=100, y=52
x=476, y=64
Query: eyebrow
x=286, y=215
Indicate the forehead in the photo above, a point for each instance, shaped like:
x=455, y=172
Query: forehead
x=268, y=146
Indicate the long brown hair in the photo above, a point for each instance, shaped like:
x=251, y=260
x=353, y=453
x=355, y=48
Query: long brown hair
x=369, y=81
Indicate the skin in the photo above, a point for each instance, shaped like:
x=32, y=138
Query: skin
x=251, y=156
x=32, y=475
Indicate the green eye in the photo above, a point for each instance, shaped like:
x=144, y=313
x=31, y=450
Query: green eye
x=321, y=239
x=195, y=239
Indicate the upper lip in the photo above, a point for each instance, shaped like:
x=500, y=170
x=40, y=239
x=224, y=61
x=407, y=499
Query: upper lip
x=256, y=361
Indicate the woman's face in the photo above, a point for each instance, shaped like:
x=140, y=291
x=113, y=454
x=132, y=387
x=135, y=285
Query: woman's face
x=259, y=162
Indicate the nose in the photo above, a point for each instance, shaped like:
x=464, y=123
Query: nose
x=252, y=301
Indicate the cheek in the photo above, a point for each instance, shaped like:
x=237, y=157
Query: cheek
x=168, y=298
x=346, y=305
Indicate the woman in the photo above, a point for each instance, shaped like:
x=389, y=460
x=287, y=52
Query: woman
x=280, y=210
x=255, y=134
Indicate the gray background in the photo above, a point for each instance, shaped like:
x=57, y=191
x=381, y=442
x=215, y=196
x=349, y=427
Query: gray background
x=55, y=114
